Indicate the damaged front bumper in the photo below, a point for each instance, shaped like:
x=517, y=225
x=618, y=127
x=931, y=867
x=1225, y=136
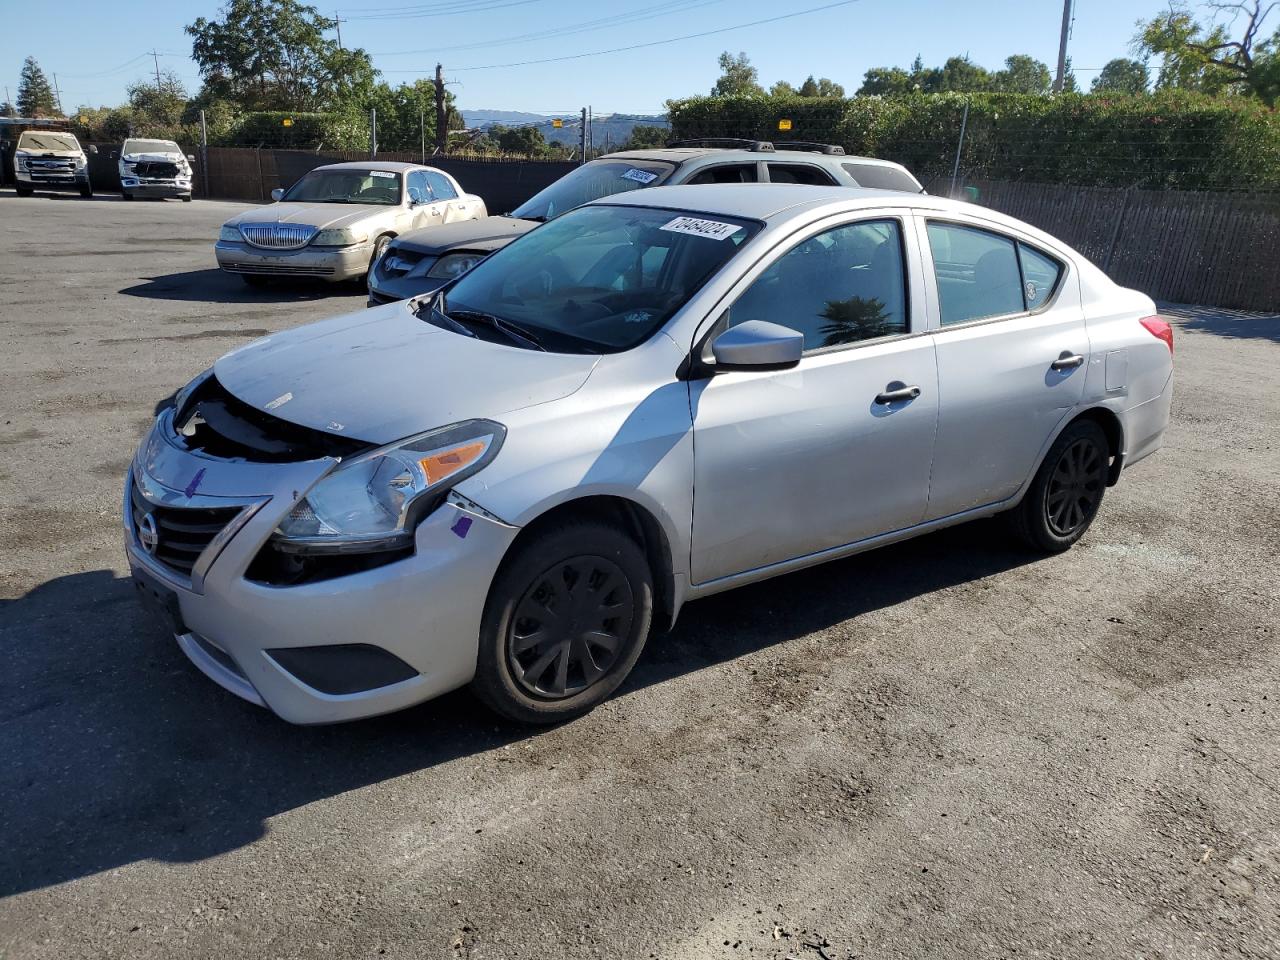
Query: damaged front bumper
x=144, y=187
x=321, y=651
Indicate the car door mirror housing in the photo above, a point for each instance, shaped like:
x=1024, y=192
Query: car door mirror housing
x=757, y=345
x=277, y=194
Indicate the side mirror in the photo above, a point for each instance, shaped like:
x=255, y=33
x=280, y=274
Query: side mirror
x=277, y=194
x=93, y=149
x=115, y=154
x=757, y=345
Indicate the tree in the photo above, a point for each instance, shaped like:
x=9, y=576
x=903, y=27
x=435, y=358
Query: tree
x=408, y=111
x=738, y=78
x=157, y=105
x=518, y=141
x=8, y=109
x=644, y=137
x=1069, y=84
x=35, y=93
x=1022, y=74
x=822, y=87
x=274, y=55
x=1121, y=75
x=885, y=82
x=1203, y=57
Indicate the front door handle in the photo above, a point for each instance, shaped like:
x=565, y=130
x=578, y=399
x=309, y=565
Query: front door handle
x=896, y=392
x=1067, y=361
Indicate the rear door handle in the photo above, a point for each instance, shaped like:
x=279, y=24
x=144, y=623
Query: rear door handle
x=1067, y=361
x=897, y=392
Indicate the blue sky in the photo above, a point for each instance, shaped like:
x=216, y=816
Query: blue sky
x=97, y=49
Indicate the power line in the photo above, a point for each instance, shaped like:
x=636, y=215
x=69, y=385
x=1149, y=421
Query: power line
x=635, y=16
x=482, y=6
x=651, y=43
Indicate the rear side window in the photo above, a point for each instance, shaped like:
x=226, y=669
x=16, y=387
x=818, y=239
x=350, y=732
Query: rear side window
x=977, y=273
x=440, y=186
x=726, y=173
x=880, y=178
x=1040, y=275
x=800, y=173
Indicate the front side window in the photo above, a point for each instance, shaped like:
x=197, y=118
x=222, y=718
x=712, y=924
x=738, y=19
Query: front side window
x=983, y=274
x=592, y=181
x=378, y=187
x=800, y=173
x=600, y=279
x=416, y=182
x=977, y=273
x=441, y=188
x=839, y=287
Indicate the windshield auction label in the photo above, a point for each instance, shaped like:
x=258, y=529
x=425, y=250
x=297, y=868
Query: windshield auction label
x=711, y=229
x=382, y=173
x=640, y=176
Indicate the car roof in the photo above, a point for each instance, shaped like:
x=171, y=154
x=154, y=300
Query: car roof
x=398, y=166
x=682, y=154
x=778, y=202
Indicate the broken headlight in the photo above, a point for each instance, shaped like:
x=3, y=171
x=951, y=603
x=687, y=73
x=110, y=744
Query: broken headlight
x=374, y=501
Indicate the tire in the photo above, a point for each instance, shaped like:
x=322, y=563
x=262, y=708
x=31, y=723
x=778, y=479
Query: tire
x=254, y=280
x=24, y=191
x=1067, y=490
x=379, y=245
x=563, y=675
x=126, y=195
x=86, y=193
x=186, y=198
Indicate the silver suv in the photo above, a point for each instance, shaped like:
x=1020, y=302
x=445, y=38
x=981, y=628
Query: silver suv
x=427, y=259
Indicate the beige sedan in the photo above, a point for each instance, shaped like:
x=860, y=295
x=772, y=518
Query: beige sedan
x=334, y=222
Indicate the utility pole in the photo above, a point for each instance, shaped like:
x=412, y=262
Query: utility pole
x=1060, y=78
x=422, y=129
x=583, y=135
x=373, y=133
x=204, y=154
x=156, y=57
x=8, y=102
x=337, y=22
x=442, y=114
x=57, y=94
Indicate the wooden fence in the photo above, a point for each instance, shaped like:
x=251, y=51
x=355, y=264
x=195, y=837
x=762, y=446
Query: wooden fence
x=1217, y=249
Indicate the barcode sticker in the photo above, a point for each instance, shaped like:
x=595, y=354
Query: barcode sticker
x=711, y=229
x=382, y=173
x=640, y=176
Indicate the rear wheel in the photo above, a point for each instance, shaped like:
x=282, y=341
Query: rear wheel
x=1067, y=490
x=566, y=619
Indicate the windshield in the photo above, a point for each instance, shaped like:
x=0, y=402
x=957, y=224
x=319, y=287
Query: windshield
x=347, y=186
x=48, y=141
x=600, y=279
x=599, y=178
x=150, y=146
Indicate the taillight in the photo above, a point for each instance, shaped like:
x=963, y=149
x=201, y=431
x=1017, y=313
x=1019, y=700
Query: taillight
x=1159, y=328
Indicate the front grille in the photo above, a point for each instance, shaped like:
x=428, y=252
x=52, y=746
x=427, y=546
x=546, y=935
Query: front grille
x=214, y=423
x=278, y=236
x=158, y=169
x=277, y=269
x=182, y=533
x=51, y=166
x=396, y=263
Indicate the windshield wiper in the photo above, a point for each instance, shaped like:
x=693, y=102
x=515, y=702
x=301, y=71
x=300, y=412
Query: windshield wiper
x=436, y=312
x=512, y=331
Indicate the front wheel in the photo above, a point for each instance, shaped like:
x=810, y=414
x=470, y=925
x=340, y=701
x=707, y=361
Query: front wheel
x=86, y=192
x=1067, y=490
x=24, y=191
x=565, y=621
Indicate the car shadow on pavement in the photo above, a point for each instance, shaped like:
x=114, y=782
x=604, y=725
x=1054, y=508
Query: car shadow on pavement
x=218, y=286
x=1234, y=324
x=117, y=750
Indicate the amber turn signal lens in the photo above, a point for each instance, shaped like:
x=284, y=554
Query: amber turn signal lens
x=442, y=463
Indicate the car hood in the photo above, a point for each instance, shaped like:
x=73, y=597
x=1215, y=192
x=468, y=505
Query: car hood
x=323, y=216
x=487, y=234
x=382, y=375
x=177, y=158
x=35, y=154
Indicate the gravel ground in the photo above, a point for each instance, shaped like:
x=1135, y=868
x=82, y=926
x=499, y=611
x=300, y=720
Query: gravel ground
x=947, y=748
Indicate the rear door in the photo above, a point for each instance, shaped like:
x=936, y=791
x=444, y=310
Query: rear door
x=424, y=209
x=455, y=205
x=1012, y=355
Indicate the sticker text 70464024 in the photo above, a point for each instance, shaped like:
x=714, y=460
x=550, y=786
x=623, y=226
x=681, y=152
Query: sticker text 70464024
x=711, y=229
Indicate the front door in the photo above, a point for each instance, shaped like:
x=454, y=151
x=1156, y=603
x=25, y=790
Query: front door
x=838, y=449
x=1012, y=356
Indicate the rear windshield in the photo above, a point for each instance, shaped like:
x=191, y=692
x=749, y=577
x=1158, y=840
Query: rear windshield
x=881, y=178
x=31, y=140
x=599, y=178
x=150, y=146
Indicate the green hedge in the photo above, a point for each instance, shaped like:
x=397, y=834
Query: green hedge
x=309, y=131
x=1160, y=141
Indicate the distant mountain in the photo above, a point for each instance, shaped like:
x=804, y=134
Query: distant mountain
x=612, y=129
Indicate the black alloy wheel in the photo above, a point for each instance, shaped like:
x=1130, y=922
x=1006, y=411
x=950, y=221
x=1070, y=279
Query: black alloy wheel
x=1075, y=487
x=570, y=627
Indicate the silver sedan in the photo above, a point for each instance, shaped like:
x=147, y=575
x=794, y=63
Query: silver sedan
x=512, y=482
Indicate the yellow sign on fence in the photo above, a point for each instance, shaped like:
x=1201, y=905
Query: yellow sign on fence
x=784, y=124
x=287, y=121
x=557, y=123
